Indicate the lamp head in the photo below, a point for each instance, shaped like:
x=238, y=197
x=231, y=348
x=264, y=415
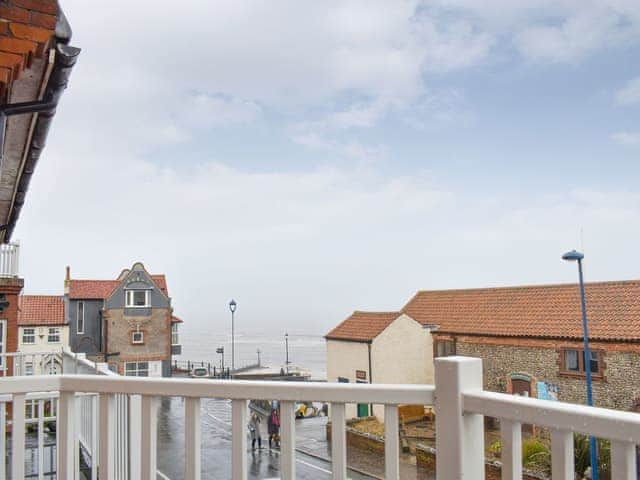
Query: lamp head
x=573, y=256
x=232, y=306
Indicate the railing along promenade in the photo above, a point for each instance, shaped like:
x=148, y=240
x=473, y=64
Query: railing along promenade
x=458, y=396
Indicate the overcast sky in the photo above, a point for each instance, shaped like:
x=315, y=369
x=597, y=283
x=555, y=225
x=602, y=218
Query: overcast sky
x=311, y=158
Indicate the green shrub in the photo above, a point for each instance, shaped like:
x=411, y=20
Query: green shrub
x=583, y=459
x=536, y=454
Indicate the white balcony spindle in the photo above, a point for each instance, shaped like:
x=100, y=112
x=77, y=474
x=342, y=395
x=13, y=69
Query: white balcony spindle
x=17, y=437
x=106, y=442
x=287, y=440
x=391, y=443
x=623, y=460
x=562, y=467
x=3, y=439
x=67, y=439
x=511, y=454
x=135, y=435
x=239, y=441
x=460, y=439
x=338, y=441
x=148, y=445
x=192, y=443
x=41, y=439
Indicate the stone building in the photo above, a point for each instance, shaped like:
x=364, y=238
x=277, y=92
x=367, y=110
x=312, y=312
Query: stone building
x=378, y=347
x=530, y=338
x=127, y=322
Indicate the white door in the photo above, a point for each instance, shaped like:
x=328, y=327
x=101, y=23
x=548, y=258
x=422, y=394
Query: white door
x=155, y=369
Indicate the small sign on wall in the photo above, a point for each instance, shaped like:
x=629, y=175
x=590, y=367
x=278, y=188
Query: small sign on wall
x=361, y=374
x=547, y=391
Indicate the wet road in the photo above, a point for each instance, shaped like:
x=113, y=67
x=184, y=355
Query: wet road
x=216, y=445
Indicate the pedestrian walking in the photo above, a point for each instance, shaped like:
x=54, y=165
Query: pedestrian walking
x=274, y=428
x=254, y=430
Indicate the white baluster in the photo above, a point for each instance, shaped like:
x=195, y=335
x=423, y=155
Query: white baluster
x=511, y=455
x=623, y=460
x=391, y=443
x=338, y=441
x=288, y=440
x=460, y=439
x=67, y=438
x=192, y=444
x=239, y=441
x=41, y=439
x=148, y=445
x=135, y=435
x=106, y=443
x=562, y=467
x=17, y=437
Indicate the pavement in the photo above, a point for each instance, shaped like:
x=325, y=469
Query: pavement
x=312, y=455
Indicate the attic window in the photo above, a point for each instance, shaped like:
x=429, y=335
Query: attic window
x=137, y=298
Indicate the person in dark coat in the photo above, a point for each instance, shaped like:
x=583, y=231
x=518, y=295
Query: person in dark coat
x=273, y=425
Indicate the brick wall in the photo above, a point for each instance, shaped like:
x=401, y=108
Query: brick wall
x=619, y=387
x=26, y=32
x=11, y=287
x=157, y=335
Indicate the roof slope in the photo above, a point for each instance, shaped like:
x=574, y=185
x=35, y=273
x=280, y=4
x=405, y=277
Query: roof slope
x=548, y=311
x=40, y=310
x=362, y=326
x=102, y=289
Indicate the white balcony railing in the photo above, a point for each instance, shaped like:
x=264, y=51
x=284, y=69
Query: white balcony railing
x=460, y=404
x=9, y=260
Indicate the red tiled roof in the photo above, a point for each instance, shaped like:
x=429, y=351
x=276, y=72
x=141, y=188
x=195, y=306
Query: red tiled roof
x=547, y=311
x=362, y=326
x=40, y=310
x=175, y=319
x=102, y=289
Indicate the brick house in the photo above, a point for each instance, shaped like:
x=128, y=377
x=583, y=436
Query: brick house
x=530, y=338
x=378, y=347
x=127, y=322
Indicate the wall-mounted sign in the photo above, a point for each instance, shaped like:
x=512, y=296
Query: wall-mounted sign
x=547, y=391
x=361, y=374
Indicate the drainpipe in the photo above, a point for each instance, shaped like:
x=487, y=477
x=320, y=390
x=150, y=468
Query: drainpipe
x=370, y=375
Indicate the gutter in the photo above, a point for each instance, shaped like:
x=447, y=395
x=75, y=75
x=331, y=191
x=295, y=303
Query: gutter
x=64, y=61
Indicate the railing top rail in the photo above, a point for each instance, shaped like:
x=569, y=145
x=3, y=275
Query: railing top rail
x=228, y=389
x=31, y=354
x=599, y=422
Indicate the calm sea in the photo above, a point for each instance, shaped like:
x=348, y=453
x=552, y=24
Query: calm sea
x=305, y=351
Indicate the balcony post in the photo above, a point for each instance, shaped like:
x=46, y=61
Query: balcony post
x=459, y=435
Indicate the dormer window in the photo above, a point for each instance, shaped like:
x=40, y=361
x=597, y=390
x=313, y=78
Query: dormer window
x=137, y=298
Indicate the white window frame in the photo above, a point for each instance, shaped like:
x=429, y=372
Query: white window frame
x=175, y=335
x=137, y=370
x=3, y=342
x=133, y=337
x=28, y=368
x=129, y=298
x=54, y=332
x=80, y=318
x=26, y=335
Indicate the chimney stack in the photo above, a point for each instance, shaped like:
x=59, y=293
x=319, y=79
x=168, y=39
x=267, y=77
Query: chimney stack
x=67, y=280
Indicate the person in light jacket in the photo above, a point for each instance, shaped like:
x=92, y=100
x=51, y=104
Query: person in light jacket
x=254, y=429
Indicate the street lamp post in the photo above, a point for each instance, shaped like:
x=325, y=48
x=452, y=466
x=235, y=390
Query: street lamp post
x=286, y=346
x=220, y=350
x=232, y=307
x=574, y=256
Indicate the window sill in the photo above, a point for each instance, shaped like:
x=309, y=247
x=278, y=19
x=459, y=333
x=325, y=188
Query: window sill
x=137, y=306
x=581, y=375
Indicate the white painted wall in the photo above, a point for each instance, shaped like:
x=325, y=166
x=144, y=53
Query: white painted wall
x=42, y=345
x=343, y=359
x=402, y=353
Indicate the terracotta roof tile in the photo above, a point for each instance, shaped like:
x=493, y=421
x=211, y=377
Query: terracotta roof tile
x=102, y=289
x=40, y=310
x=549, y=311
x=362, y=326
x=175, y=319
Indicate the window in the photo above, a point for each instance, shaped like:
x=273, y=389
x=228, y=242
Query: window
x=445, y=348
x=137, y=298
x=175, y=339
x=137, y=337
x=573, y=362
x=136, y=369
x=54, y=335
x=28, y=368
x=28, y=336
x=80, y=324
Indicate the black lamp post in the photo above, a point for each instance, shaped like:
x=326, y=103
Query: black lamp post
x=286, y=346
x=232, y=306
